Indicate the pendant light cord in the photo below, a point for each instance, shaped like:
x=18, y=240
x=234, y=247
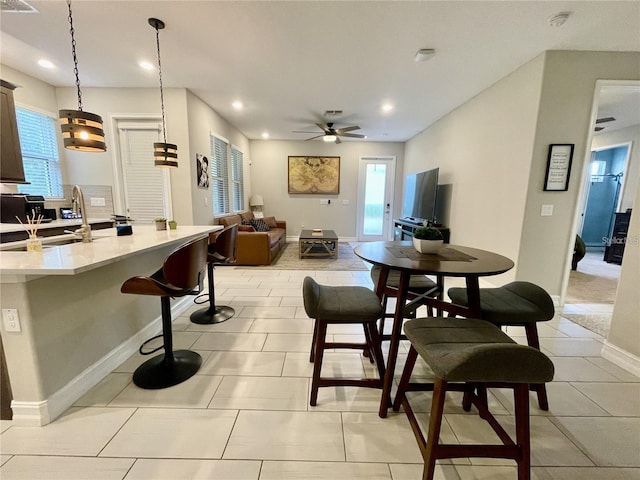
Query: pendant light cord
x=164, y=128
x=75, y=57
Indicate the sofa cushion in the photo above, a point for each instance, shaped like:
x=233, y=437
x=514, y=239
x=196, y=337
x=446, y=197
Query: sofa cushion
x=230, y=220
x=259, y=225
x=271, y=221
x=246, y=228
x=246, y=215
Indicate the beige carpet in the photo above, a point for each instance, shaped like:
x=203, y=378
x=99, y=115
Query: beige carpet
x=288, y=260
x=599, y=323
x=595, y=281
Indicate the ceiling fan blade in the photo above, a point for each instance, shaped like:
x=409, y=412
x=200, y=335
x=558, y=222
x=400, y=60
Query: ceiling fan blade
x=347, y=129
x=605, y=120
x=313, y=138
x=338, y=140
x=352, y=135
x=324, y=128
x=301, y=131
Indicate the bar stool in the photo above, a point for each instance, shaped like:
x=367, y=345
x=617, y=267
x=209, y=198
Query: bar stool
x=181, y=273
x=221, y=251
x=341, y=305
x=519, y=304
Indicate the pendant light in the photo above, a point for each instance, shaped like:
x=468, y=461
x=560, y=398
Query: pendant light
x=164, y=154
x=80, y=130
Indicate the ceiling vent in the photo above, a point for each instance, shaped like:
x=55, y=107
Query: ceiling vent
x=16, y=6
x=333, y=113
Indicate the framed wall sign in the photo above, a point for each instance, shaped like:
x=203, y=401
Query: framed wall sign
x=202, y=171
x=558, y=167
x=315, y=175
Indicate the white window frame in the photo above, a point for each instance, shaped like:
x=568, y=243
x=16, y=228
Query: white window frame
x=51, y=164
x=231, y=179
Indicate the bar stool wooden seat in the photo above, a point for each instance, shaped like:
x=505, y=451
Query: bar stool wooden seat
x=519, y=304
x=221, y=251
x=182, y=272
x=341, y=305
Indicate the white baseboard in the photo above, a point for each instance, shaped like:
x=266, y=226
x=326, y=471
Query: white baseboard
x=622, y=358
x=556, y=300
x=35, y=414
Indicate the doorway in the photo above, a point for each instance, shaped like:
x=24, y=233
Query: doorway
x=375, y=194
x=607, y=170
x=142, y=190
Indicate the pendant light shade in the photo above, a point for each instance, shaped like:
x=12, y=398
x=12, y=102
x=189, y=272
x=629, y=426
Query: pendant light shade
x=164, y=154
x=80, y=130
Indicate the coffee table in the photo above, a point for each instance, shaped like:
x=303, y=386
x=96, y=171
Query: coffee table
x=318, y=244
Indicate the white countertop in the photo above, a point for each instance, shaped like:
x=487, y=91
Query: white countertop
x=106, y=248
x=65, y=223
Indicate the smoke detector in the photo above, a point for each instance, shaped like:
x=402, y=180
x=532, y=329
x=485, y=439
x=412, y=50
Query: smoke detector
x=424, y=54
x=559, y=19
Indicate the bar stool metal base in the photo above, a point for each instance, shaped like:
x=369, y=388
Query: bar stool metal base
x=208, y=316
x=162, y=371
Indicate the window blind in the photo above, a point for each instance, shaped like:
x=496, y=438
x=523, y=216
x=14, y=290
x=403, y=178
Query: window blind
x=144, y=184
x=237, y=183
x=219, y=176
x=39, y=153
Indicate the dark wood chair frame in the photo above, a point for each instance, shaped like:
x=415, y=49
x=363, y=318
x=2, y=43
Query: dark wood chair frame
x=476, y=394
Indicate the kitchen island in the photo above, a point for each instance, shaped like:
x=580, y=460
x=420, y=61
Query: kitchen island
x=75, y=325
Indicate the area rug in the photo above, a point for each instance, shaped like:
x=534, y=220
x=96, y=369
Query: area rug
x=288, y=260
x=589, y=288
x=599, y=323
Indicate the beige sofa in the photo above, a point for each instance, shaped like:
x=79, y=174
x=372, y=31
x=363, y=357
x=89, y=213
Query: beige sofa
x=257, y=247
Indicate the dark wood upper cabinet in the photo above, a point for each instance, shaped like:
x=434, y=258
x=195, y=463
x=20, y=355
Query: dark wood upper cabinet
x=11, y=169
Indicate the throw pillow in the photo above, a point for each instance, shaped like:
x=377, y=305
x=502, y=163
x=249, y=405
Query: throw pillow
x=246, y=222
x=271, y=221
x=259, y=225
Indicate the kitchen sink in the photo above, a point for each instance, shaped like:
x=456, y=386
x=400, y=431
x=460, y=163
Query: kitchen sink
x=47, y=242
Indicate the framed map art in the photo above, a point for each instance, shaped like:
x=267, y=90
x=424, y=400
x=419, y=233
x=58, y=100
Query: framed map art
x=314, y=175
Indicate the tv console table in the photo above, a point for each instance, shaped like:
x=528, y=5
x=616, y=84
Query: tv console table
x=403, y=230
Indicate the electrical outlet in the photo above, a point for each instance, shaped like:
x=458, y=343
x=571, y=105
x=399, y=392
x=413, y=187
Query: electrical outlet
x=11, y=320
x=98, y=202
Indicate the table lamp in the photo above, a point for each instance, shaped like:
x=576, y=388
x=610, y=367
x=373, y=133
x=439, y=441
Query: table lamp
x=256, y=203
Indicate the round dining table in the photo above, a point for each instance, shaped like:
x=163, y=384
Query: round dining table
x=450, y=261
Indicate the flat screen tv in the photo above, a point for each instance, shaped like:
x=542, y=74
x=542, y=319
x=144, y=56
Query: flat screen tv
x=420, y=192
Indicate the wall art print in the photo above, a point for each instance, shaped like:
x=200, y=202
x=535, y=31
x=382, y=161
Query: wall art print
x=314, y=175
x=202, y=171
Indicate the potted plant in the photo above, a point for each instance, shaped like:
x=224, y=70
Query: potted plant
x=172, y=224
x=161, y=223
x=427, y=239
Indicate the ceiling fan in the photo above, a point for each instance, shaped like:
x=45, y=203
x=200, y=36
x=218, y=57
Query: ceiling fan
x=603, y=120
x=330, y=134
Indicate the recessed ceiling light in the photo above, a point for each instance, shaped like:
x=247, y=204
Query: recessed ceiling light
x=45, y=63
x=424, y=54
x=387, y=107
x=237, y=105
x=265, y=135
x=559, y=19
x=146, y=65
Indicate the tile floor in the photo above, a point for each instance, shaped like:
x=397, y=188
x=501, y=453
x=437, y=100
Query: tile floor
x=245, y=415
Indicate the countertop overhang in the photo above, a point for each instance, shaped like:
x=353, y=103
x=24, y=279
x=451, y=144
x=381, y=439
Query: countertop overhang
x=107, y=247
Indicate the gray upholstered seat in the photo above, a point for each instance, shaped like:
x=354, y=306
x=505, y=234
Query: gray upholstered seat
x=348, y=304
x=471, y=355
x=468, y=350
x=417, y=283
x=514, y=304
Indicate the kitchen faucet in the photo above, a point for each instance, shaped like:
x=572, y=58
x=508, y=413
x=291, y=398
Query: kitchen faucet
x=85, y=230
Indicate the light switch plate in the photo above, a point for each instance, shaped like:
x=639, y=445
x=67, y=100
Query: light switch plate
x=546, y=210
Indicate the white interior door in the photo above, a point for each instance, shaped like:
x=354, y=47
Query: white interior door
x=375, y=195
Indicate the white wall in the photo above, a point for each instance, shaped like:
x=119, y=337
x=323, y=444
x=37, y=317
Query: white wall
x=269, y=178
x=483, y=148
x=632, y=175
x=202, y=122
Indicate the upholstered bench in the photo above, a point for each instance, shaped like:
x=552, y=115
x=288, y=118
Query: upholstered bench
x=470, y=355
x=518, y=304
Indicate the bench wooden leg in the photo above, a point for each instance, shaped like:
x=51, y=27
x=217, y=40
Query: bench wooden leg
x=404, y=379
x=319, y=340
x=435, y=422
x=521, y=400
x=373, y=339
x=313, y=341
x=532, y=339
